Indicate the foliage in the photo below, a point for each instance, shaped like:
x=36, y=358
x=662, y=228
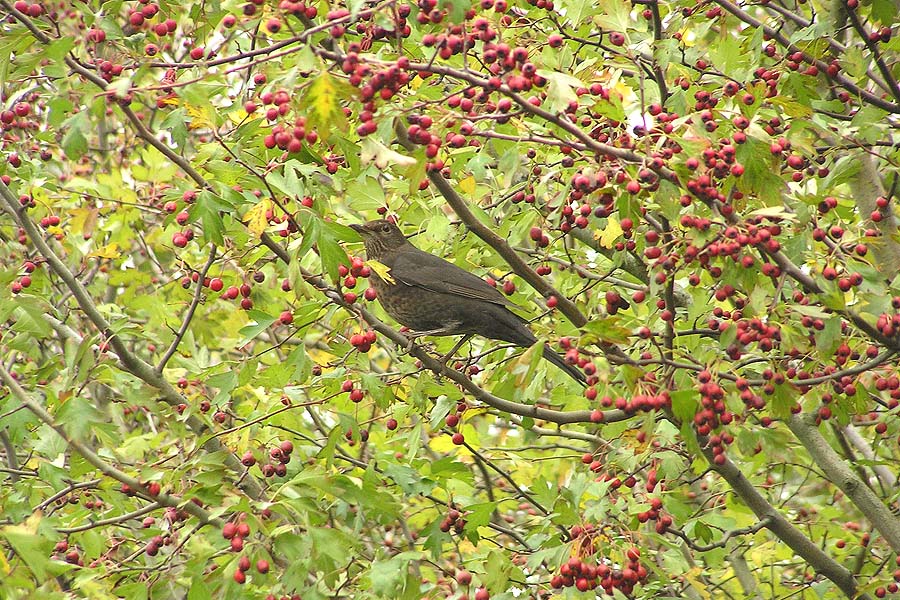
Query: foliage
x=695, y=203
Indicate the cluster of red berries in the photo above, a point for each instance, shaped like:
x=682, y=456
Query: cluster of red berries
x=373, y=29
x=585, y=576
x=357, y=269
x=363, y=341
x=750, y=331
x=32, y=9
x=279, y=456
x=356, y=394
x=454, y=520
x=17, y=116
x=750, y=399
x=362, y=435
x=139, y=15
x=298, y=9
x=181, y=238
x=240, y=575
x=713, y=412
x=236, y=533
x=887, y=324
x=452, y=421
x=70, y=554
x=574, y=357
x=25, y=280
x=232, y=292
x=635, y=404
x=157, y=542
x=290, y=139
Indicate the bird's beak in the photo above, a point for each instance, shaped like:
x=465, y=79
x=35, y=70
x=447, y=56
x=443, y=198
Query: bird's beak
x=359, y=229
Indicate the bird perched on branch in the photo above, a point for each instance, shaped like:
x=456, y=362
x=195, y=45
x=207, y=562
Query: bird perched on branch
x=434, y=297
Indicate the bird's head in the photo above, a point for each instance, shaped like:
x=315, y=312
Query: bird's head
x=380, y=236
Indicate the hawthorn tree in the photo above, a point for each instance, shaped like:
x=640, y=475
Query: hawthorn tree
x=201, y=397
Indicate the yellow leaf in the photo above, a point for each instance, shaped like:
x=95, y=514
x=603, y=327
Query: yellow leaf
x=83, y=220
x=255, y=218
x=200, y=116
x=692, y=576
x=612, y=232
x=473, y=412
x=444, y=443
x=468, y=185
x=322, y=102
x=170, y=101
x=382, y=270
x=107, y=251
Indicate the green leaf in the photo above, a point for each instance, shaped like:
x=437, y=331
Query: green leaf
x=59, y=47
x=29, y=317
x=175, y=124
x=79, y=416
x=32, y=548
x=388, y=577
x=884, y=11
x=829, y=338
x=200, y=589
x=760, y=171
x=409, y=480
x=364, y=194
x=332, y=255
x=685, y=404
x=560, y=89
x=260, y=322
x=74, y=142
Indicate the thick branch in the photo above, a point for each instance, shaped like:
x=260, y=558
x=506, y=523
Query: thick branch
x=776, y=35
x=837, y=471
x=786, y=532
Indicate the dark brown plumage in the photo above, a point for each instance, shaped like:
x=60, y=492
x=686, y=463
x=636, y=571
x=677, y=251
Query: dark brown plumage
x=434, y=297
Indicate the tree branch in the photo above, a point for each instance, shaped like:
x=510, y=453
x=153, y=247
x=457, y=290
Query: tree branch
x=804, y=427
x=129, y=361
x=101, y=465
x=189, y=315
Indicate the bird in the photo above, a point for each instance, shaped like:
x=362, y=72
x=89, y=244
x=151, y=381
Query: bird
x=432, y=296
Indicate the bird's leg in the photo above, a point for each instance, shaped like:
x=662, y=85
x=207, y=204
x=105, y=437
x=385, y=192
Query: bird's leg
x=445, y=358
x=412, y=336
x=448, y=329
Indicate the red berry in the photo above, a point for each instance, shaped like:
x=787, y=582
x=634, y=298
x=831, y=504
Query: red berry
x=244, y=563
x=228, y=530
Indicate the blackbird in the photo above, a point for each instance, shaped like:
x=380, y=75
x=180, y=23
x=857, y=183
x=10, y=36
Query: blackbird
x=434, y=297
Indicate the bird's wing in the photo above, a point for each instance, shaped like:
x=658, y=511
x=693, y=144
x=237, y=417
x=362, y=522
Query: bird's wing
x=433, y=273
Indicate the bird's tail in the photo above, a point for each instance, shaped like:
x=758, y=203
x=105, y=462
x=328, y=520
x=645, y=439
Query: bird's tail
x=571, y=370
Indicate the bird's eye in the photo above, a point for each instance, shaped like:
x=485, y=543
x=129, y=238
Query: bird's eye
x=386, y=228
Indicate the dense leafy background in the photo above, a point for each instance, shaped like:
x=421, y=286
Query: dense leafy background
x=695, y=203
